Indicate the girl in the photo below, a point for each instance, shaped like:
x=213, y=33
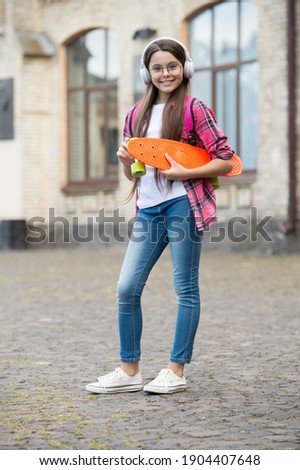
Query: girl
x=173, y=208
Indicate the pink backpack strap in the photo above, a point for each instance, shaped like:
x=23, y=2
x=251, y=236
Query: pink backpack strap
x=188, y=114
x=189, y=120
x=133, y=116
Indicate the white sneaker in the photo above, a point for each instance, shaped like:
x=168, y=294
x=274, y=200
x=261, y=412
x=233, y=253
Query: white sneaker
x=116, y=382
x=166, y=382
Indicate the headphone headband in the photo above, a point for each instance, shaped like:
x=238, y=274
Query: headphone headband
x=187, y=55
x=188, y=68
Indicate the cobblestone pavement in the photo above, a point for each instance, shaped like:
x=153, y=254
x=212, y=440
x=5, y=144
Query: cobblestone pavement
x=59, y=332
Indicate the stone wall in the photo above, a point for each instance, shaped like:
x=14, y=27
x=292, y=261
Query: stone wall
x=36, y=161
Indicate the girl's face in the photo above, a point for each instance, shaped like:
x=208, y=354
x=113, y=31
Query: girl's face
x=166, y=73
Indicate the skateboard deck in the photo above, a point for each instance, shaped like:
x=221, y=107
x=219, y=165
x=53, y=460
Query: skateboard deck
x=151, y=151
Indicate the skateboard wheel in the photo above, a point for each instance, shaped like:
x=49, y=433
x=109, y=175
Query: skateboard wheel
x=138, y=169
x=215, y=182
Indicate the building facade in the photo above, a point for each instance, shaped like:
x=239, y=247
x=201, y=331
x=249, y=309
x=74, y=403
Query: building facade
x=69, y=71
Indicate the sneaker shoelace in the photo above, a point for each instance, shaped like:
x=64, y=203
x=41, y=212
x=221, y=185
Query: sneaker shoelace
x=111, y=377
x=165, y=376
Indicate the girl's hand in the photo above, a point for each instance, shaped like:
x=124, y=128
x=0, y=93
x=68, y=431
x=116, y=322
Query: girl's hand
x=216, y=167
x=176, y=172
x=123, y=154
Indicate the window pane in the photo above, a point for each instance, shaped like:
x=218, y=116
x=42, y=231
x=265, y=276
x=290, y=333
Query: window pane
x=226, y=33
x=201, y=39
x=103, y=134
x=97, y=135
x=113, y=56
x=6, y=109
x=201, y=86
x=76, y=136
x=96, y=62
x=226, y=109
x=138, y=84
x=249, y=23
x=113, y=140
x=76, y=55
x=249, y=115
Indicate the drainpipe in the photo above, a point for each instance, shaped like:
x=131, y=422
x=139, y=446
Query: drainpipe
x=290, y=226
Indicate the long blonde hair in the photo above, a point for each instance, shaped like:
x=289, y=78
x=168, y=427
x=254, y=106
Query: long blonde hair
x=173, y=114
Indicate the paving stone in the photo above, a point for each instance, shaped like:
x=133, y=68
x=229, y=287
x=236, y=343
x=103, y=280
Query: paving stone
x=59, y=331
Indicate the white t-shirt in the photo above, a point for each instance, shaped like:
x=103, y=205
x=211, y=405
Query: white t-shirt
x=149, y=193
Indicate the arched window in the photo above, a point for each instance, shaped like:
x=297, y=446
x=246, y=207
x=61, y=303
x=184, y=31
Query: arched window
x=223, y=45
x=92, y=72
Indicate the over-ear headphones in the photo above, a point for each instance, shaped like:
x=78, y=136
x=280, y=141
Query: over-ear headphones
x=188, y=68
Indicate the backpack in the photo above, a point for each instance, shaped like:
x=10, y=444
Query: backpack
x=189, y=125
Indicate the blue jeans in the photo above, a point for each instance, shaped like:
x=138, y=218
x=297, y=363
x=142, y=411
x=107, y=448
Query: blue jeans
x=173, y=223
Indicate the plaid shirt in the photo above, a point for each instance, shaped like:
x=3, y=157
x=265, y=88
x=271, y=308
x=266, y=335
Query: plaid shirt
x=209, y=136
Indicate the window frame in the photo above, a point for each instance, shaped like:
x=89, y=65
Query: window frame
x=88, y=184
x=248, y=176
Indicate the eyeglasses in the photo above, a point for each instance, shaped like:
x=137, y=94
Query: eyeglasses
x=172, y=69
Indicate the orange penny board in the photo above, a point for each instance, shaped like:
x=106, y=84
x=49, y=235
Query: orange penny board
x=152, y=152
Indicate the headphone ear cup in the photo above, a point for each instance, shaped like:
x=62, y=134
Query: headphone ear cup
x=145, y=75
x=188, y=69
